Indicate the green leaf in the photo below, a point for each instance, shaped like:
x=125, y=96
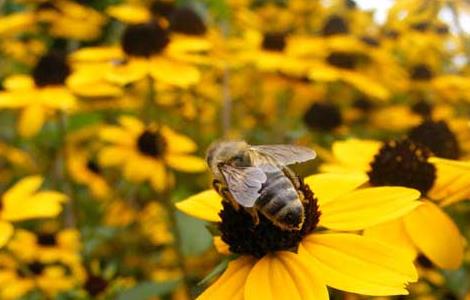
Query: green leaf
x=194, y=235
x=148, y=289
x=78, y=121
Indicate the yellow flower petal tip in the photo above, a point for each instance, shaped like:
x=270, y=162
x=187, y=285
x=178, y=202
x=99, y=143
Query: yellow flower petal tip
x=205, y=205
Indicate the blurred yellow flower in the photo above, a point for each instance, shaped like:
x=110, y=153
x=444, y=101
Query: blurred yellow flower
x=144, y=152
x=40, y=95
x=23, y=201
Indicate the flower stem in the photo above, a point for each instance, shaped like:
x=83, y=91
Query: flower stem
x=67, y=187
x=177, y=240
x=149, y=104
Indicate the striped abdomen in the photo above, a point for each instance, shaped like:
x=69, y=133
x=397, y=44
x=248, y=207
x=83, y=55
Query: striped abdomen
x=280, y=202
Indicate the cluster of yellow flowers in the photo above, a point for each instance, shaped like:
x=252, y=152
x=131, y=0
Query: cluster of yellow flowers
x=109, y=106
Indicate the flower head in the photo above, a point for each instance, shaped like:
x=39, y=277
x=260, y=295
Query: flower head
x=277, y=264
x=427, y=229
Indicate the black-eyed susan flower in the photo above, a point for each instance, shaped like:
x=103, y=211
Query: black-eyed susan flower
x=47, y=262
x=48, y=246
x=39, y=96
x=85, y=169
x=427, y=229
x=68, y=19
x=144, y=51
x=23, y=201
x=145, y=152
x=275, y=264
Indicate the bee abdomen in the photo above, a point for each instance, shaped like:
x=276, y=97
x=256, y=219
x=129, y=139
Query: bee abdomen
x=277, y=193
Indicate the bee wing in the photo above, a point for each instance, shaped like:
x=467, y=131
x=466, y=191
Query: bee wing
x=283, y=154
x=244, y=183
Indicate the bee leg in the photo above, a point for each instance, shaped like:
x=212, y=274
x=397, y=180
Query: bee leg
x=254, y=214
x=225, y=193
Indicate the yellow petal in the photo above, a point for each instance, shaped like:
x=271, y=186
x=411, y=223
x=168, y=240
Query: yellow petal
x=356, y=154
x=178, y=143
x=159, y=177
x=17, y=21
x=206, y=205
x=185, y=43
x=186, y=163
x=284, y=276
x=323, y=72
x=90, y=83
x=132, y=124
x=357, y=264
x=18, y=82
x=328, y=187
x=116, y=135
x=231, y=284
x=128, y=13
x=436, y=235
x=97, y=54
x=31, y=120
x=174, y=72
x=368, y=207
x=366, y=85
x=131, y=71
x=41, y=205
x=23, y=188
x=57, y=98
x=6, y=231
x=452, y=181
x=113, y=155
x=392, y=233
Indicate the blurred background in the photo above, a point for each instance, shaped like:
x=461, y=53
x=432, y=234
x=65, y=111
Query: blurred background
x=113, y=103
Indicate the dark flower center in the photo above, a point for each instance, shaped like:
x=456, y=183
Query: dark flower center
x=93, y=166
x=437, y=137
x=421, y=26
x=144, y=40
x=421, y=72
x=51, y=69
x=335, y=25
x=187, y=21
x=47, y=239
x=36, y=267
x=162, y=8
x=371, y=41
x=363, y=104
x=422, y=108
x=151, y=143
x=441, y=29
x=392, y=34
x=342, y=60
x=94, y=285
x=403, y=163
x=244, y=237
x=323, y=116
x=274, y=41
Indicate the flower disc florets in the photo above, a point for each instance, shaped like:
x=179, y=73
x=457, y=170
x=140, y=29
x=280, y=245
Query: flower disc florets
x=244, y=237
x=403, y=163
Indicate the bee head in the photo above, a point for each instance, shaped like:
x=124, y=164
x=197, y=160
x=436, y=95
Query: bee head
x=222, y=151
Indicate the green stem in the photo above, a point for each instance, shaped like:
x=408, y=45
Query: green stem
x=177, y=240
x=150, y=113
x=149, y=104
x=67, y=187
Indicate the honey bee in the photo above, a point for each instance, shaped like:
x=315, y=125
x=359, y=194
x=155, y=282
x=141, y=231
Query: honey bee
x=258, y=179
